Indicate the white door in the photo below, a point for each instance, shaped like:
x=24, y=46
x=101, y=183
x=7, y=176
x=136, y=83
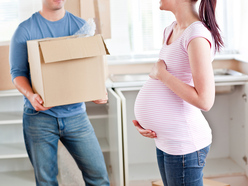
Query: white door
x=115, y=139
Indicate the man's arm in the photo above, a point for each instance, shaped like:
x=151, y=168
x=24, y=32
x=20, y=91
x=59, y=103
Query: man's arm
x=23, y=85
x=19, y=67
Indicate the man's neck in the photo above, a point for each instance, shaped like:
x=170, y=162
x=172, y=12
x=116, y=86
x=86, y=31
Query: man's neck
x=53, y=15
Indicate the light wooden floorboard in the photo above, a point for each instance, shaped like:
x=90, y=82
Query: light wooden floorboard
x=232, y=180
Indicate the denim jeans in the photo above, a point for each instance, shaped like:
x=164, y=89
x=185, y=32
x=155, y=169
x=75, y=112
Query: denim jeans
x=182, y=170
x=41, y=134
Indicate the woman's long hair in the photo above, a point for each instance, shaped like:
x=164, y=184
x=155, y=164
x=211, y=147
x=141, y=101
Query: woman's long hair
x=207, y=16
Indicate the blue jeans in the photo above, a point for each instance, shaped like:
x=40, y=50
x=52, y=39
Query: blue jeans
x=41, y=134
x=182, y=170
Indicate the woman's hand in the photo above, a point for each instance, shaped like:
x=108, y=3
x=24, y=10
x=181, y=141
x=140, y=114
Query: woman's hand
x=144, y=132
x=158, y=69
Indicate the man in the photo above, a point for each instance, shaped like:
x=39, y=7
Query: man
x=44, y=126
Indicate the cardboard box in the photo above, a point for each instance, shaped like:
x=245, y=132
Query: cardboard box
x=97, y=9
x=206, y=182
x=81, y=8
x=68, y=70
x=5, y=77
x=102, y=19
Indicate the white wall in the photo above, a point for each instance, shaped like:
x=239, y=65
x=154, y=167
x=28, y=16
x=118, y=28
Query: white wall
x=244, y=28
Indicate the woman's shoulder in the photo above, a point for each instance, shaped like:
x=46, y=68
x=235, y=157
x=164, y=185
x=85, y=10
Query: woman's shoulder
x=199, y=29
x=168, y=29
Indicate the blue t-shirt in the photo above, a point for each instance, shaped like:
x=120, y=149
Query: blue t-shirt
x=37, y=27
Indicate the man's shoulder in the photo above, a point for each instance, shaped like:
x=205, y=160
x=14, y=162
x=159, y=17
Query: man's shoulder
x=24, y=29
x=28, y=22
x=74, y=17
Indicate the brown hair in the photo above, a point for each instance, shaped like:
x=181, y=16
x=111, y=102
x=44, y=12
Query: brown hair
x=207, y=16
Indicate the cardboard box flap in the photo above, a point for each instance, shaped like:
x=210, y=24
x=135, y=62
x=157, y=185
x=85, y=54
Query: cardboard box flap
x=68, y=48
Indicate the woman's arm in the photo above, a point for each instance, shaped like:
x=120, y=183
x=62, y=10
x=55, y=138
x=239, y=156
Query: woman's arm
x=203, y=93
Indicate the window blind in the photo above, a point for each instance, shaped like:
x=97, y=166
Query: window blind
x=136, y=25
x=13, y=12
x=146, y=23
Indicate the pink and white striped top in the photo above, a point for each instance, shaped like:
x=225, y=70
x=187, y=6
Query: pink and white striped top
x=180, y=127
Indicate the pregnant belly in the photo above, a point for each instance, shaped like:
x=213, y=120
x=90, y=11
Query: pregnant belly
x=155, y=106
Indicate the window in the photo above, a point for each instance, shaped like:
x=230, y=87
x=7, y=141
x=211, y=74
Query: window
x=137, y=25
x=146, y=25
x=142, y=26
x=13, y=12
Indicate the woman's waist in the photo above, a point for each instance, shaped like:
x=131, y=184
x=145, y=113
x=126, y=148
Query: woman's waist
x=174, y=127
x=166, y=116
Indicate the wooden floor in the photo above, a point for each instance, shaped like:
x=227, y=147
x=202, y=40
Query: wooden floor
x=141, y=183
x=233, y=181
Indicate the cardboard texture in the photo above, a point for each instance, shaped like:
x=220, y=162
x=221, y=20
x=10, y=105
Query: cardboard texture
x=102, y=19
x=206, y=182
x=5, y=77
x=81, y=8
x=68, y=70
x=97, y=9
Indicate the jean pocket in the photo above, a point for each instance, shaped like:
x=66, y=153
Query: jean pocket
x=202, y=155
x=30, y=112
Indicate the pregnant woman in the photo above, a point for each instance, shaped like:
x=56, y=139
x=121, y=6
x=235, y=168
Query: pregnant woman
x=181, y=85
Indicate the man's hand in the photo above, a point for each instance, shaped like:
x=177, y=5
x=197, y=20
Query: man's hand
x=144, y=132
x=37, y=102
x=23, y=85
x=101, y=101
